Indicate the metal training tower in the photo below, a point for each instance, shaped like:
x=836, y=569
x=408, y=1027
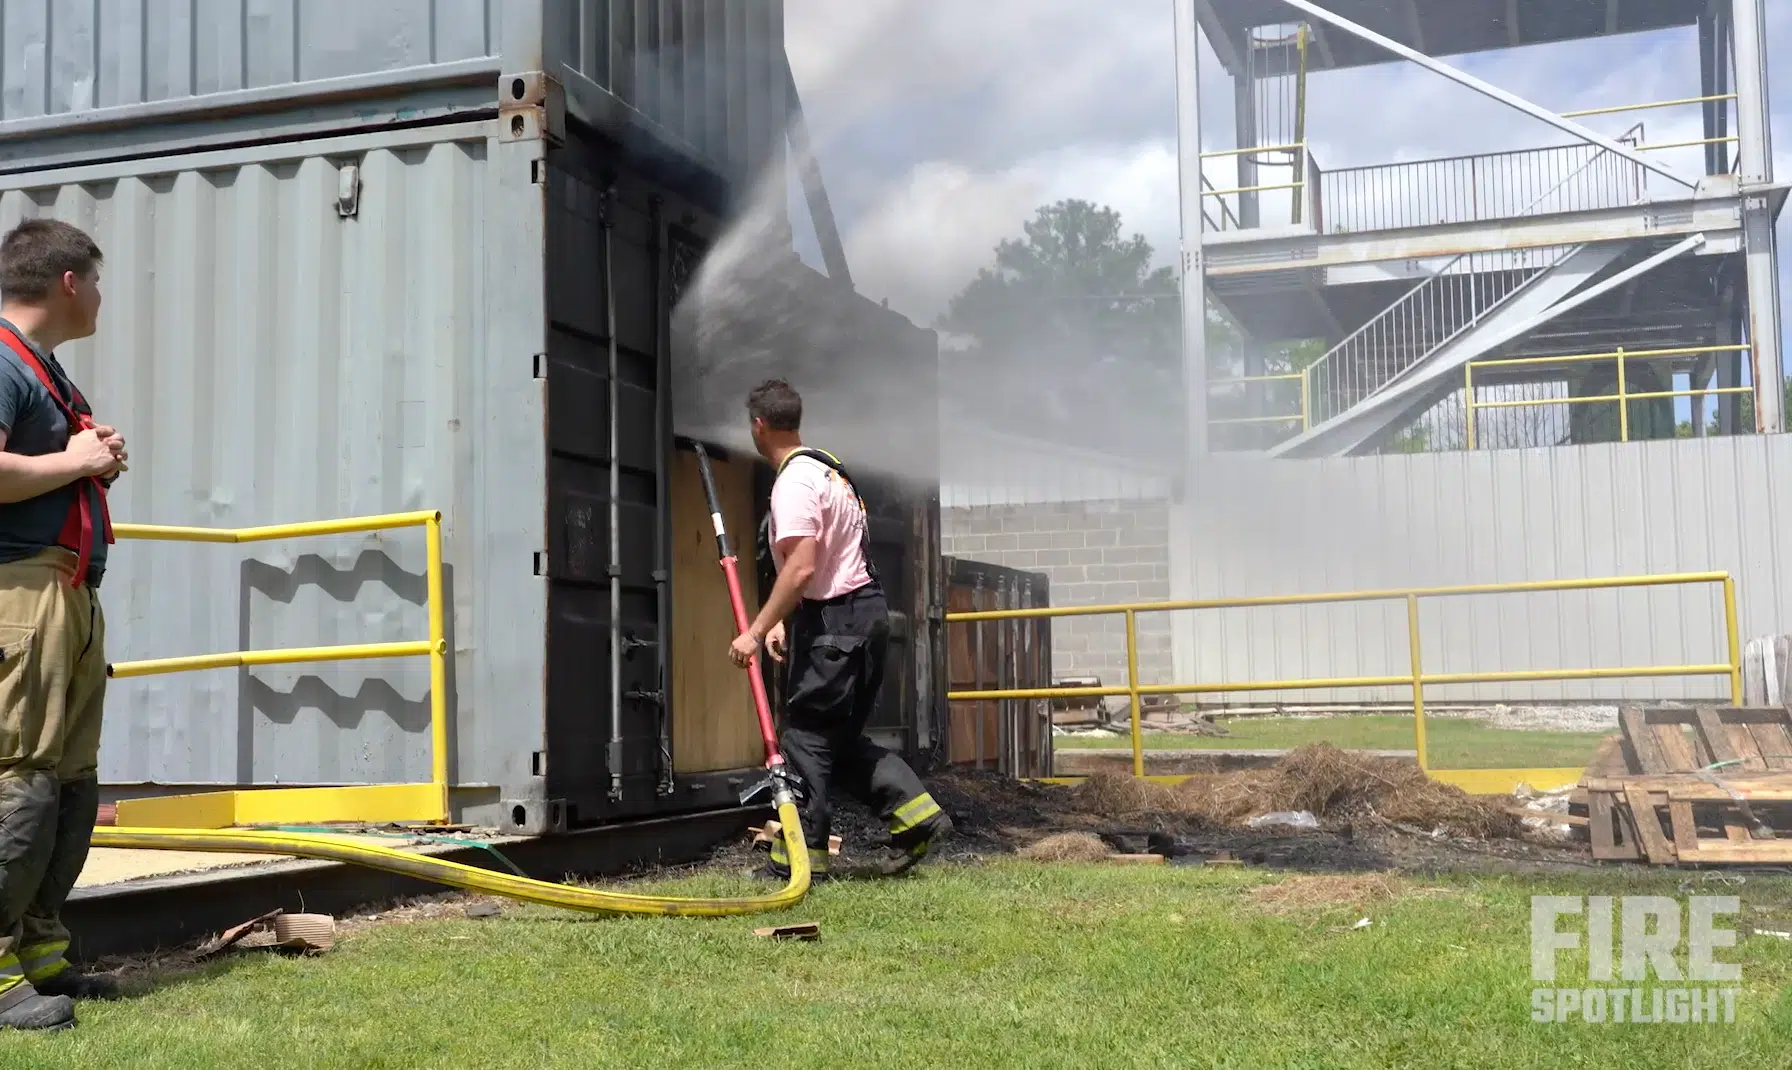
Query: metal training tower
x=1602, y=285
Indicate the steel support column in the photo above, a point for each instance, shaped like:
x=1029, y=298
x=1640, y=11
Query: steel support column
x=1245, y=124
x=1748, y=30
x=1194, y=266
x=1729, y=365
x=1714, y=81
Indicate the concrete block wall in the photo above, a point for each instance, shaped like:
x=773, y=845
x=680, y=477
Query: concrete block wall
x=1093, y=552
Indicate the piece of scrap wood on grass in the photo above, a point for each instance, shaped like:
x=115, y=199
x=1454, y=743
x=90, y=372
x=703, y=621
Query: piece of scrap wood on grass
x=801, y=930
x=307, y=933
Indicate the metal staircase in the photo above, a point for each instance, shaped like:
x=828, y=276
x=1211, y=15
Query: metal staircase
x=1567, y=283
x=1443, y=309
x=1460, y=296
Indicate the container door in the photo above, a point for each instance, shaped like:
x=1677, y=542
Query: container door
x=588, y=310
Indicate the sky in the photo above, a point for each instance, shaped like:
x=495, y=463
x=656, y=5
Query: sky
x=941, y=125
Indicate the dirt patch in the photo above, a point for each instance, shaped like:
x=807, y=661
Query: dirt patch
x=1316, y=893
x=1066, y=847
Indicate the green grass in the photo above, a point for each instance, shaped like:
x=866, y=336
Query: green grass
x=1454, y=743
x=1005, y=965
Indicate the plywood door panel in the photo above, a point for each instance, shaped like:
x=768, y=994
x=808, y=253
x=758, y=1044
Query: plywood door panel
x=713, y=724
x=964, y=677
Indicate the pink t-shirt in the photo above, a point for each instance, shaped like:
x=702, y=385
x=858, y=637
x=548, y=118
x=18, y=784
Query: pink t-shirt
x=810, y=499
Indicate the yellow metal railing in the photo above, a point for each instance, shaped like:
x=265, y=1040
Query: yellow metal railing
x=1622, y=398
x=1681, y=102
x=1417, y=679
x=1299, y=147
x=1302, y=417
x=373, y=803
x=1622, y=108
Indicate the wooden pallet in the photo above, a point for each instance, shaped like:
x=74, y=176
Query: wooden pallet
x=1669, y=795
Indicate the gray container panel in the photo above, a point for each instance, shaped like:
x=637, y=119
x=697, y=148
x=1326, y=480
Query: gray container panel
x=271, y=360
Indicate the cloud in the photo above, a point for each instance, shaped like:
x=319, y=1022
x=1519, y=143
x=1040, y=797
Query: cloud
x=932, y=232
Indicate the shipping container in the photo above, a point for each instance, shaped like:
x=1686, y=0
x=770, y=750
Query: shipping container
x=335, y=299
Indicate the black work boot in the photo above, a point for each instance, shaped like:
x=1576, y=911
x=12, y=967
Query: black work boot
x=25, y=1008
x=910, y=851
x=76, y=985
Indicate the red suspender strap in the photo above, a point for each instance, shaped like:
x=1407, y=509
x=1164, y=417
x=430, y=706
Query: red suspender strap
x=77, y=530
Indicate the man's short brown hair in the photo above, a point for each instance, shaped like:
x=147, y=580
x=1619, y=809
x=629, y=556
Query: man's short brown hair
x=778, y=404
x=35, y=254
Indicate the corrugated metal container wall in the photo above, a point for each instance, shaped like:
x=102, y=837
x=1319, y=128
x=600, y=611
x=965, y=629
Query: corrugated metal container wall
x=65, y=57
x=707, y=75
x=1258, y=527
x=709, y=72
x=270, y=360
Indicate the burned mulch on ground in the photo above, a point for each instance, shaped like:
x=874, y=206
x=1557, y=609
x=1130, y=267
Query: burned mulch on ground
x=1375, y=813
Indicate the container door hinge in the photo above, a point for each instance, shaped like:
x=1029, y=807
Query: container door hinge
x=541, y=563
x=657, y=698
x=540, y=363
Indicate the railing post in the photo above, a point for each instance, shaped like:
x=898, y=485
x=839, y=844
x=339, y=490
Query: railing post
x=438, y=663
x=1468, y=399
x=1623, y=401
x=1418, y=681
x=1132, y=690
x=1735, y=640
x=1306, y=399
x=977, y=663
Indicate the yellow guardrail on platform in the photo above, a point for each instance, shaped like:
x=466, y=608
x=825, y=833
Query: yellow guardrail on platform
x=371, y=803
x=1619, y=109
x=1303, y=417
x=1622, y=398
x=1485, y=780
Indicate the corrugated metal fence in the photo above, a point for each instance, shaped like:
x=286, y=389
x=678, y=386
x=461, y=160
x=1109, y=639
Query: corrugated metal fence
x=1253, y=526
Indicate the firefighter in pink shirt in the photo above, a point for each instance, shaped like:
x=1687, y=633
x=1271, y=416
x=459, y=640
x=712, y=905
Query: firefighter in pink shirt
x=827, y=616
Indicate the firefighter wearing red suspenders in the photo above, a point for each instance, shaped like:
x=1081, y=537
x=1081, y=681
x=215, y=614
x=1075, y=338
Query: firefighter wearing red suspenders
x=56, y=465
x=837, y=639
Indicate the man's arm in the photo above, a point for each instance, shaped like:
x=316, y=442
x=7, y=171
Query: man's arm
x=23, y=477
x=799, y=568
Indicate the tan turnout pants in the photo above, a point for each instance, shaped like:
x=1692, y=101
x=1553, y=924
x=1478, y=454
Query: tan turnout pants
x=52, y=694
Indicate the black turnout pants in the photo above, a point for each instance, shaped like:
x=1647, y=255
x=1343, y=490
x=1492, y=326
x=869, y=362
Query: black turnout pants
x=838, y=649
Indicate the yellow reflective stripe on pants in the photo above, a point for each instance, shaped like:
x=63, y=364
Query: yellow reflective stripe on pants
x=12, y=975
x=916, y=811
x=41, y=962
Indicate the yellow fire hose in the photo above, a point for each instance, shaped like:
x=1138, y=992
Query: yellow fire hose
x=472, y=878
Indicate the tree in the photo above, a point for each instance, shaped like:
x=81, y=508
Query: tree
x=1745, y=411
x=1072, y=334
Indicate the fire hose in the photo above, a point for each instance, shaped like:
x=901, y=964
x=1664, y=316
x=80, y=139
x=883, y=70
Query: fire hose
x=780, y=783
